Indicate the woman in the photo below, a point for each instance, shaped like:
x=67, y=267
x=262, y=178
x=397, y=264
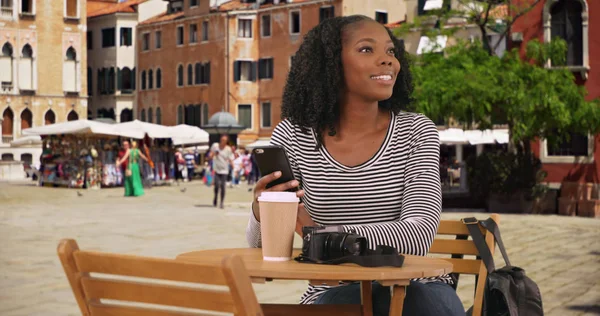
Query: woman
x=133, y=181
x=360, y=161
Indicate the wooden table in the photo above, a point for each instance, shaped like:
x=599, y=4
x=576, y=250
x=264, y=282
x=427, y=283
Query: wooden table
x=316, y=274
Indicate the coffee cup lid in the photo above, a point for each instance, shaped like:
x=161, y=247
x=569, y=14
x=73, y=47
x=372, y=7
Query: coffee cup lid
x=278, y=197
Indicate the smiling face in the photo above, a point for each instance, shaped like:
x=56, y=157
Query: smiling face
x=370, y=67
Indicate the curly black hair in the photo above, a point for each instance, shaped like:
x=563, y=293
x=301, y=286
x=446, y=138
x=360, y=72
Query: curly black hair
x=311, y=93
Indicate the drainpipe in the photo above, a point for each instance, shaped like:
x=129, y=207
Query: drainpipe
x=227, y=61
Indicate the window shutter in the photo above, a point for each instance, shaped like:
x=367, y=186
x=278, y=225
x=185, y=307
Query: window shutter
x=207, y=72
x=133, y=76
x=107, y=87
x=321, y=15
x=253, y=71
x=119, y=79
x=99, y=81
x=261, y=68
x=236, y=71
x=130, y=37
x=271, y=63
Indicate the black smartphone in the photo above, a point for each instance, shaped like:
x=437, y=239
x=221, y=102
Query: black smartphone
x=274, y=158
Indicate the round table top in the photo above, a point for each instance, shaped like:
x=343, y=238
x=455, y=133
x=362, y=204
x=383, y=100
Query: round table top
x=413, y=267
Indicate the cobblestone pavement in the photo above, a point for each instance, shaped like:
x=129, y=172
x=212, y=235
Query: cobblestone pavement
x=561, y=254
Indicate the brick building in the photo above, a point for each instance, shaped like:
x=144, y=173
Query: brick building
x=111, y=45
x=201, y=57
x=42, y=64
x=573, y=20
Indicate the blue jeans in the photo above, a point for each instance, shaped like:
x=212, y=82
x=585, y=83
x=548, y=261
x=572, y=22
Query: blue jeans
x=422, y=299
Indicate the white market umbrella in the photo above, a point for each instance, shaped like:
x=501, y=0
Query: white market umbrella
x=453, y=136
x=80, y=127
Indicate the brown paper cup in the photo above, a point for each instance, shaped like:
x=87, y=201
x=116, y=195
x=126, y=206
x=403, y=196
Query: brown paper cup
x=278, y=212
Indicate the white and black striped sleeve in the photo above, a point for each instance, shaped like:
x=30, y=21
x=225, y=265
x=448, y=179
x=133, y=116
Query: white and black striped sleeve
x=421, y=207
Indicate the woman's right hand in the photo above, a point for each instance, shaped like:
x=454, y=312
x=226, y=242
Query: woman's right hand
x=261, y=186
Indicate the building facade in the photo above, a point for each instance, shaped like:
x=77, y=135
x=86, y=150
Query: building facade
x=111, y=45
x=573, y=20
x=202, y=57
x=42, y=65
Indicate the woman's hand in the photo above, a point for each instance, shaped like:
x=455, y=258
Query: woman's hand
x=261, y=186
x=303, y=219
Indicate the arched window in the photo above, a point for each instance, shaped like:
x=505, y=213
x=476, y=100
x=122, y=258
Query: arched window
x=158, y=78
x=158, y=115
x=180, y=76
x=49, y=118
x=150, y=79
x=70, y=73
x=7, y=125
x=143, y=80
x=126, y=79
x=27, y=158
x=567, y=24
x=180, y=117
x=111, y=114
x=111, y=80
x=73, y=116
x=27, y=52
x=143, y=115
x=190, y=73
x=26, y=68
x=126, y=116
x=150, y=116
x=198, y=70
x=26, y=119
x=6, y=63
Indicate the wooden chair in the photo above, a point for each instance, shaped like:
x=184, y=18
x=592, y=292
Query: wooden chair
x=461, y=246
x=239, y=299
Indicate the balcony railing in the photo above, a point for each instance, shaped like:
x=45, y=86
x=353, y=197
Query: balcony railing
x=6, y=12
x=6, y=87
x=6, y=139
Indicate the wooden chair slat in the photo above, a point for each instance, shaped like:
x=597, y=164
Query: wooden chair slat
x=120, y=310
x=97, y=288
x=152, y=268
x=451, y=246
x=453, y=227
x=465, y=266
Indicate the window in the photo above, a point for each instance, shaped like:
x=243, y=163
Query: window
x=245, y=115
x=26, y=119
x=6, y=63
x=180, y=35
x=566, y=23
x=6, y=7
x=295, y=22
x=205, y=114
x=292, y=60
x=244, y=70
x=111, y=80
x=108, y=37
x=90, y=86
x=202, y=72
x=89, y=38
x=265, y=25
x=158, y=115
x=49, y=118
x=193, y=33
x=421, y=7
x=180, y=76
x=143, y=80
x=190, y=75
x=72, y=116
x=244, y=28
x=100, y=82
x=381, y=17
x=192, y=115
x=72, y=9
x=143, y=115
x=150, y=79
x=158, y=78
x=193, y=3
x=265, y=115
x=126, y=36
x=26, y=68
x=150, y=116
x=157, y=39
x=326, y=13
x=7, y=123
x=180, y=114
x=175, y=6
x=146, y=42
x=125, y=82
x=70, y=73
x=27, y=7
x=265, y=68
x=575, y=145
x=205, y=31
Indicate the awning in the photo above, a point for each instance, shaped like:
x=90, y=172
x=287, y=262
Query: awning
x=188, y=135
x=433, y=5
x=454, y=136
x=82, y=127
x=435, y=45
x=27, y=140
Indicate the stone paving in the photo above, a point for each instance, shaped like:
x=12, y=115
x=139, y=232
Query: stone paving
x=561, y=254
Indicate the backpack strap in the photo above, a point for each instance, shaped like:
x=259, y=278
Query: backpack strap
x=491, y=226
x=484, y=251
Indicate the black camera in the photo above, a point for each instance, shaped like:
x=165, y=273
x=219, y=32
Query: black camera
x=322, y=243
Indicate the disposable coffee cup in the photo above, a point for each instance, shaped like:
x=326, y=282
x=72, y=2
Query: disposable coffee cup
x=278, y=212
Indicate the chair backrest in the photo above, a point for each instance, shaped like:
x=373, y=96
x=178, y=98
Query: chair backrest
x=461, y=246
x=225, y=288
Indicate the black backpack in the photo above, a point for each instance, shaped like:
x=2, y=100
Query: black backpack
x=508, y=291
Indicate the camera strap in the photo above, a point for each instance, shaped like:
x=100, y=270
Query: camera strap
x=382, y=256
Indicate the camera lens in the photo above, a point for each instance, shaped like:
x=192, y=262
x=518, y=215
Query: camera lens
x=341, y=245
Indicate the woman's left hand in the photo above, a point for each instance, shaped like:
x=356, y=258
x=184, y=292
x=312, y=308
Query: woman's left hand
x=303, y=219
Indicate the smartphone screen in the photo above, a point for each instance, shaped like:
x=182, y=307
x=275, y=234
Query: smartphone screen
x=271, y=159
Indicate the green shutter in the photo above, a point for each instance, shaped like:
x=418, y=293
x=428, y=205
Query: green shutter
x=236, y=71
x=130, y=37
x=207, y=72
x=119, y=80
x=133, y=76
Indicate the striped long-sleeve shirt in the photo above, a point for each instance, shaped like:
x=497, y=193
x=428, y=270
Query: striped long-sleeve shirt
x=393, y=199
